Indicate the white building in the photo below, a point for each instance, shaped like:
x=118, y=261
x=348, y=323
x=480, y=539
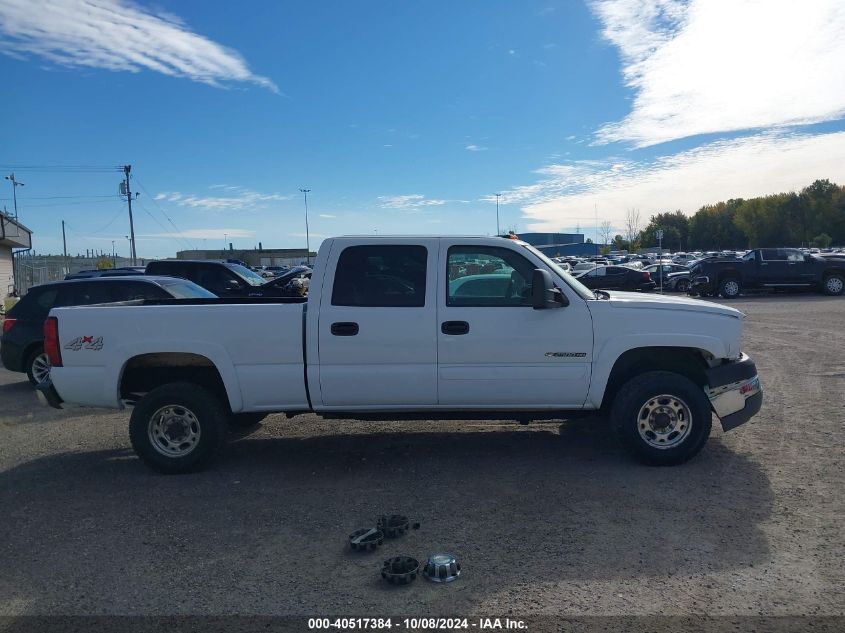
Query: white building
x=13, y=235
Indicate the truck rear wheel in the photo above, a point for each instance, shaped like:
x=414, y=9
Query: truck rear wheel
x=833, y=284
x=662, y=418
x=730, y=288
x=178, y=427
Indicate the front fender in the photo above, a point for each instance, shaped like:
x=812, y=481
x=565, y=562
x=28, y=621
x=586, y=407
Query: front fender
x=612, y=348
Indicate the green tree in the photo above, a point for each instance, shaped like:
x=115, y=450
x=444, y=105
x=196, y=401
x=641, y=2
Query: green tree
x=823, y=240
x=675, y=227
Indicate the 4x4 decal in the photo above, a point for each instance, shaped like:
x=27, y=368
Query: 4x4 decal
x=85, y=342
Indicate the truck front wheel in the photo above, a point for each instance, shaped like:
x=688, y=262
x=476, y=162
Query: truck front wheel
x=662, y=418
x=833, y=284
x=730, y=288
x=178, y=427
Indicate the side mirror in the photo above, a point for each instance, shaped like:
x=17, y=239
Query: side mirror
x=544, y=294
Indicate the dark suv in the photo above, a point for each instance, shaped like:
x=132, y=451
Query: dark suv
x=21, y=345
x=226, y=279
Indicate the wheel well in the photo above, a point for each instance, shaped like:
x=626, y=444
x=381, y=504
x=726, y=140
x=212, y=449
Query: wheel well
x=687, y=361
x=146, y=372
x=729, y=274
x=28, y=351
x=833, y=271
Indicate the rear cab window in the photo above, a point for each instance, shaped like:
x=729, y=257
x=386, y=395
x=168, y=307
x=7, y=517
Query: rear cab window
x=381, y=276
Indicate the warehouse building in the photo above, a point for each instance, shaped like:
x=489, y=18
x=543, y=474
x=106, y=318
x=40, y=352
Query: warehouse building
x=561, y=244
x=253, y=257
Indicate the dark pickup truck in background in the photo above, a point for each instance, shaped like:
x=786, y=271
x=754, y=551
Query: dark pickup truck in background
x=767, y=268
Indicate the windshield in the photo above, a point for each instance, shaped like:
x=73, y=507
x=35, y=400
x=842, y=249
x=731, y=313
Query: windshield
x=184, y=289
x=252, y=278
x=577, y=286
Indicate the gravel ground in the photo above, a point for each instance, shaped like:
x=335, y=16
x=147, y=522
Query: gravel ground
x=551, y=518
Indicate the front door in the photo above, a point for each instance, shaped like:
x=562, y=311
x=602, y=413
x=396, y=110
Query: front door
x=377, y=327
x=494, y=350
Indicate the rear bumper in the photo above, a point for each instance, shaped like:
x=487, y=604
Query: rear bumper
x=11, y=356
x=734, y=391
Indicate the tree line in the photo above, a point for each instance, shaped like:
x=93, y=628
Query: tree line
x=815, y=216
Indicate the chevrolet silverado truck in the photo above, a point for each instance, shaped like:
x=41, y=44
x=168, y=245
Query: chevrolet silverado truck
x=409, y=328
x=767, y=268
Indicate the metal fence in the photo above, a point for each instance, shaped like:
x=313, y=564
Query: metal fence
x=32, y=270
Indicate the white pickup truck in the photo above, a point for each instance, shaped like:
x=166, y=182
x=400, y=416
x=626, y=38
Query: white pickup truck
x=410, y=327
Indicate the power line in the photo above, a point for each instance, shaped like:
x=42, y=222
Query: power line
x=164, y=213
x=63, y=168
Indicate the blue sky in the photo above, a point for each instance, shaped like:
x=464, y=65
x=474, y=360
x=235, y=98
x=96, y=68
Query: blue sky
x=404, y=117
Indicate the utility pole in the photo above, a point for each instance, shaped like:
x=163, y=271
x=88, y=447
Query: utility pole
x=64, y=246
x=305, y=193
x=15, y=185
x=127, y=191
x=113, y=255
x=497, y=213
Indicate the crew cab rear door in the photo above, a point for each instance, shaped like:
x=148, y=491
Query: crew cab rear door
x=377, y=325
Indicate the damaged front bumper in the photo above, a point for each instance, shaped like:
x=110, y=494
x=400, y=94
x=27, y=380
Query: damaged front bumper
x=734, y=391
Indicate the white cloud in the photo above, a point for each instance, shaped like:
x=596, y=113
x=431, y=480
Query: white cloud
x=240, y=200
x=327, y=215
x=117, y=35
x=475, y=148
x=739, y=168
x=409, y=201
x=705, y=66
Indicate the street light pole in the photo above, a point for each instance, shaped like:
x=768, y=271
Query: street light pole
x=113, y=256
x=497, y=213
x=15, y=185
x=305, y=193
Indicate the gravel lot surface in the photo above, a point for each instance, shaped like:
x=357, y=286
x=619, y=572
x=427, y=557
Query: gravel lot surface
x=551, y=518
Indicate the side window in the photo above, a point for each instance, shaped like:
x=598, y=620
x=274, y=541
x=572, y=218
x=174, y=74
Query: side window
x=772, y=255
x=381, y=277
x=132, y=290
x=485, y=276
x=794, y=256
x=37, y=303
x=91, y=293
x=218, y=279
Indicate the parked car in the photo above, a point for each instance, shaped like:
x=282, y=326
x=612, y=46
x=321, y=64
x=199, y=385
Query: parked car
x=656, y=271
x=616, y=278
x=678, y=282
x=581, y=267
x=224, y=279
x=21, y=344
x=380, y=336
x=293, y=283
x=763, y=268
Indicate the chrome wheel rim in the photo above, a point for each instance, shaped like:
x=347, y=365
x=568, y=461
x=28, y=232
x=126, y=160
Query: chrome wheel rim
x=174, y=430
x=834, y=285
x=731, y=288
x=664, y=421
x=41, y=369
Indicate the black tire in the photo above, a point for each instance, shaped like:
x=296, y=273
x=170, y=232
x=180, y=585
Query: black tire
x=34, y=368
x=730, y=287
x=833, y=285
x=682, y=285
x=206, y=418
x=643, y=390
x=246, y=421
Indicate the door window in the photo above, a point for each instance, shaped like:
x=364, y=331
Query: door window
x=92, y=292
x=485, y=276
x=381, y=277
x=132, y=290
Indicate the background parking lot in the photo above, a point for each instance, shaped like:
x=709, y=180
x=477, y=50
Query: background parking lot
x=551, y=518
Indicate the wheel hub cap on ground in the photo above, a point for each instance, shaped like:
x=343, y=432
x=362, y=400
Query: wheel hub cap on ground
x=174, y=431
x=664, y=421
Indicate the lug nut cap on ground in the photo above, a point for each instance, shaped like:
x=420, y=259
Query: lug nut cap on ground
x=393, y=525
x=400, y=570
x=366, y=539
x=442, y=568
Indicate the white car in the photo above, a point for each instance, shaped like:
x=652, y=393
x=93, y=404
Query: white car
x=387, y=330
